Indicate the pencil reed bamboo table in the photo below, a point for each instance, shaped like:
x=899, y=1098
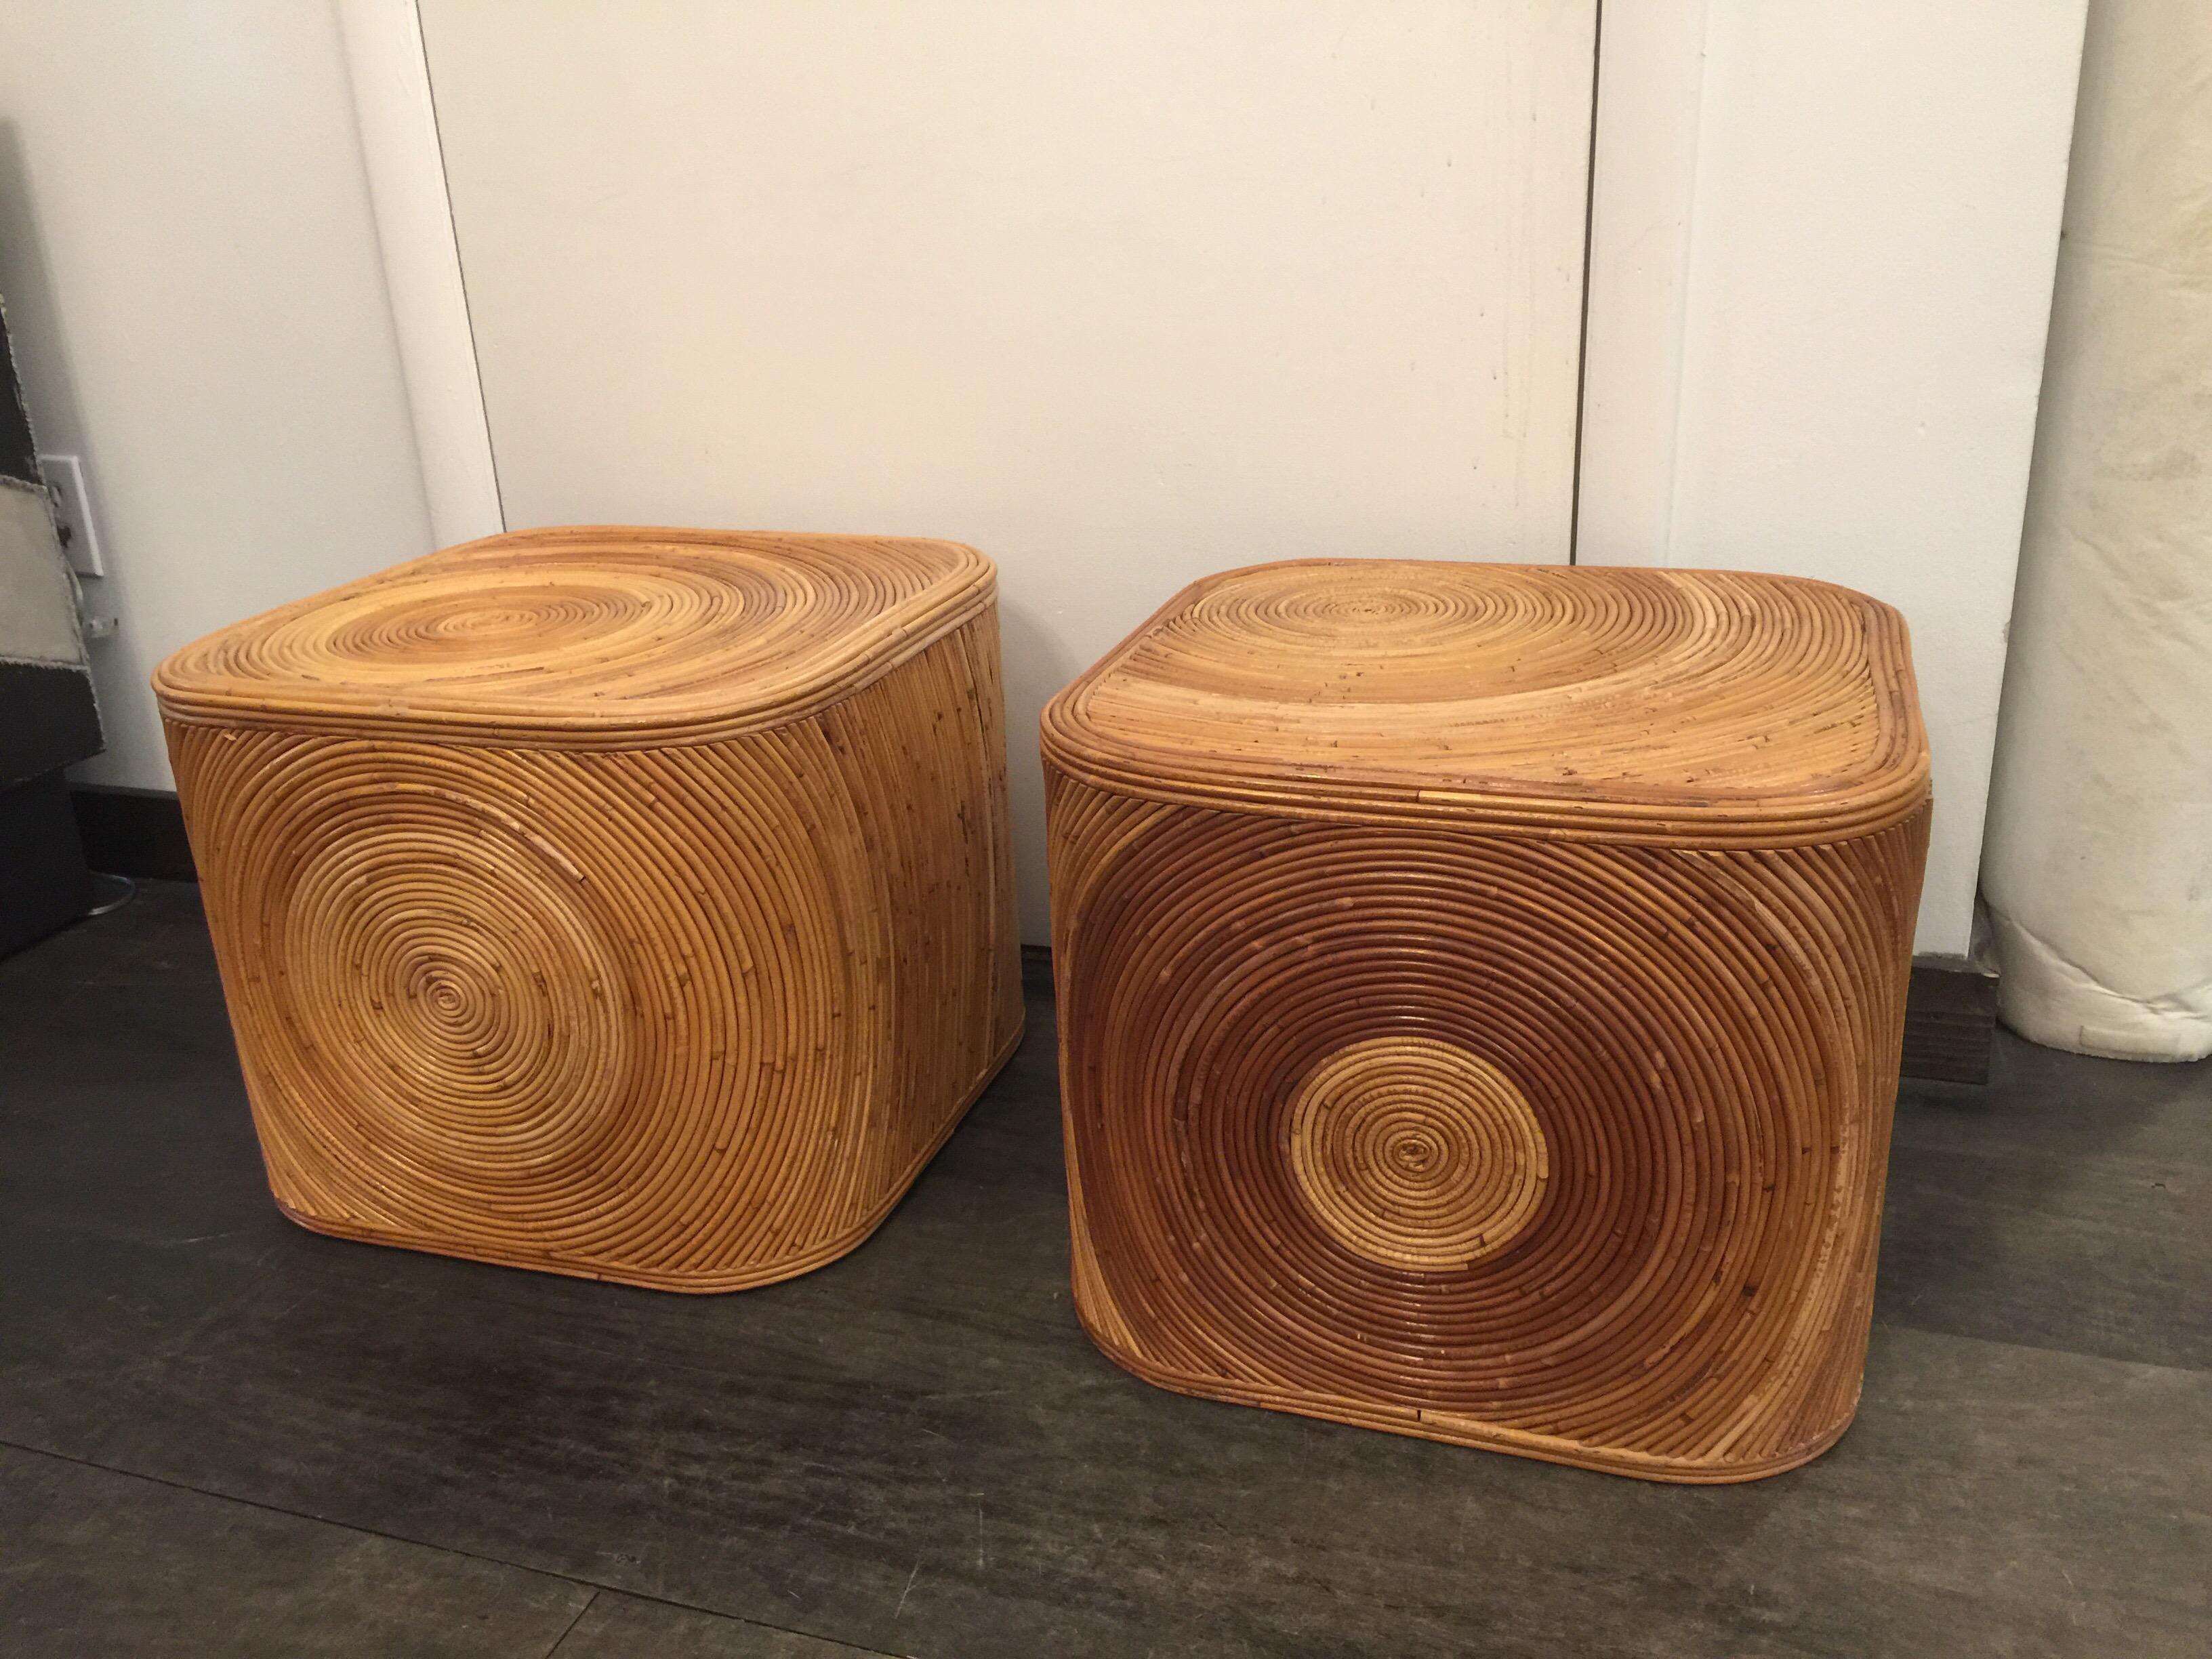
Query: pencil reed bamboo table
x=1481, y=995
x=629, y=903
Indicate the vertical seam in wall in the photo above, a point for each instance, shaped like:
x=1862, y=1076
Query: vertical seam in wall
x=1681, y=321
x=461, y=262
x=1582, y=340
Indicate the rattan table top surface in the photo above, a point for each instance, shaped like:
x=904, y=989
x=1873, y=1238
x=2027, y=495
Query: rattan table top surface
x=594, y=636
x=1693, y=705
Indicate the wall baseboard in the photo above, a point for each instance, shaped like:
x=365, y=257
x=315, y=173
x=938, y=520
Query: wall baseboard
x=44, y=885
x=1950, y=1012
x=1950, y=1019
x=139, y=833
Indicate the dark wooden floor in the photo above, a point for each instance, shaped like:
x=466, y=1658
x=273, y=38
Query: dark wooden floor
x=226, y=1436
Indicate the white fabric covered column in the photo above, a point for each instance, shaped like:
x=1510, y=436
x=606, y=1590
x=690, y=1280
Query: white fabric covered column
x=2098, y=866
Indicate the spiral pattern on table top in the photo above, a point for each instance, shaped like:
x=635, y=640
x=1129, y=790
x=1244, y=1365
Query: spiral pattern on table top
x=1696, y=707
x=585, y=637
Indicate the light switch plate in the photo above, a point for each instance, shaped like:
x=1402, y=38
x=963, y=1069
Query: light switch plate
x=65, y=475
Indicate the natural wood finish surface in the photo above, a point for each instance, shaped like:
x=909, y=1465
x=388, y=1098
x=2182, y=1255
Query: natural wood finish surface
x=1618, y=704
x=634, y=904
x=1479, y=999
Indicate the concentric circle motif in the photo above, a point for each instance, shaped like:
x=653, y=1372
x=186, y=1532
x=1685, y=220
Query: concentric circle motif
x=1416, y=1153
x=458, y=987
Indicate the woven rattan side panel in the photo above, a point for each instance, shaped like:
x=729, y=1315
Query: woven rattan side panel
x=1563, y=1147
x=690, y=1016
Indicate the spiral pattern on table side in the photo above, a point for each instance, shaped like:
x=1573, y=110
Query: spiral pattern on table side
x=591, y=637
x=1416, y=1153
x=690, y=1018
x=1706, y=1041
x=1705, y=708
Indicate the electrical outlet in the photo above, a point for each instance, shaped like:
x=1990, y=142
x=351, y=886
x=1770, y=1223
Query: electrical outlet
x=65, y=475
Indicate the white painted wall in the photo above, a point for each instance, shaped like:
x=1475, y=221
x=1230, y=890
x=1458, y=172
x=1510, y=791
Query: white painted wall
x=190, y=268
x=1122, y=293
x=1821, y=268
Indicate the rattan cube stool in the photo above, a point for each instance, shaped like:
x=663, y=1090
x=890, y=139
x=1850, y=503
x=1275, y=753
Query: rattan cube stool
x=629, y=903
x=1480, y=996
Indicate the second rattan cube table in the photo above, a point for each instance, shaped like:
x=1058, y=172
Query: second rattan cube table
x=1481, y=995
x=629, y=903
